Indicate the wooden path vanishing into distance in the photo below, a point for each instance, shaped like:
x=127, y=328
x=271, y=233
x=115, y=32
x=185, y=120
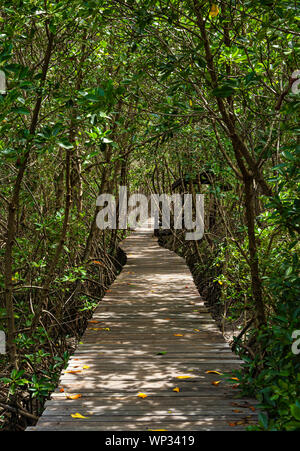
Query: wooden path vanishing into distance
x=150, y=334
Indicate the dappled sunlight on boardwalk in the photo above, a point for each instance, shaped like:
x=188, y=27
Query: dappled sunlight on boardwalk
x=151, y=334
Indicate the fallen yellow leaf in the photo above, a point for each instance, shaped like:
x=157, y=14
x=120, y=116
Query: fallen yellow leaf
x=142, y=395
x=184, y=377
x=213, y=372
x=177, y=389
x=178, y=335
x=85, y=367
x=77, y=415
x=99, y=328
x=72, y=371
x=157, y=429
x=73, y=396
x=96, y=262
x=216, y=383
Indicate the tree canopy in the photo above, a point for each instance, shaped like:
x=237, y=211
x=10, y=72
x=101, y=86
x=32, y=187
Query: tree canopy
x=144, y=94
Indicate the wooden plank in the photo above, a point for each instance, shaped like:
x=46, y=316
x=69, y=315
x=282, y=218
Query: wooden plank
x=145, y=418
x=187, y=396
x=133, y=402
x=99, y=386
x=114, y=426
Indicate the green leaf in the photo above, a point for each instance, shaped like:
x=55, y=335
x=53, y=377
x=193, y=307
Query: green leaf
x=263, y=420
x=5, y=380
x=65, y=144
x=295, y=410
x=224, y=91
x=20, y=110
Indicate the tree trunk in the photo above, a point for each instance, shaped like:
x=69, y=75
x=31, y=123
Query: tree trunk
x=254, y=262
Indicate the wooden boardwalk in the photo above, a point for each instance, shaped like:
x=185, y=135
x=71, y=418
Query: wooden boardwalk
x=151, y=334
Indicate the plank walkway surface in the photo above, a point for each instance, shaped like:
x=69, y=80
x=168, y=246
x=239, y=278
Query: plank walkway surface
x=150, y=334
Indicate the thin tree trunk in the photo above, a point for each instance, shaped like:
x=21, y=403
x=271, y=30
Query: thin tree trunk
x=254, y=262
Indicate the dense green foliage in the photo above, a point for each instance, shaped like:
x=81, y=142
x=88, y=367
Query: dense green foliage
x=145, y=93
